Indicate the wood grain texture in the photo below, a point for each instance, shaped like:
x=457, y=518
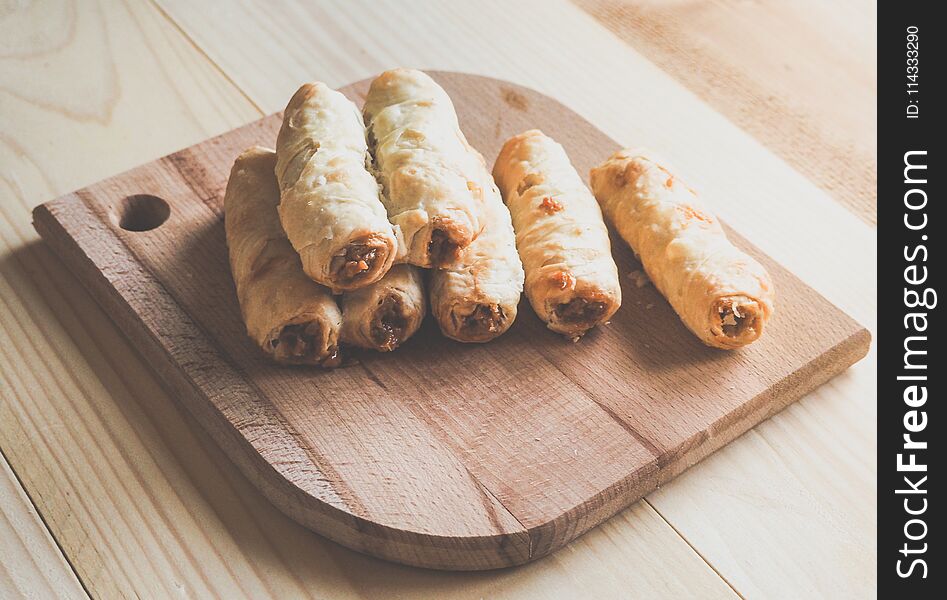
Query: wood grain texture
x=496, y=449
x=622, y=93
x=32, y=566
x=154, y=482
x=71, y=109
x=814, y=499
x=138, y=497
x=66, y=87
x=753, y=190
x=85, y=365
x=798, y=76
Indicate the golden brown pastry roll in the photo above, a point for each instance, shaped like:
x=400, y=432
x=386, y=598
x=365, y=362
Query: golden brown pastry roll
x=289, y=316
x=722, y=294
x=571, y=278
x=331, y=208
x=475, y=299
x=381, y=316
x=425, y=165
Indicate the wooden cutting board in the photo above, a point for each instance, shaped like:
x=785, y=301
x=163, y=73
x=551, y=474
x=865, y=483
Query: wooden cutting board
x=440, y=454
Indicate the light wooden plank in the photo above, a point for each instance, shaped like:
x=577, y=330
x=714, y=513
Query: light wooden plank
x=807, y=477
x=625, y=95
x=799, y=76
x=73, y=111
x=174, y=492
x=522, y=415
x=612, y=561
x=138, y=497
x=32, y=566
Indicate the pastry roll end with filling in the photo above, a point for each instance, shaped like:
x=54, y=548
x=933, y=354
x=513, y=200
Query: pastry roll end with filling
x=425, y=166
x=331, y=208
x=721, y=293
x=476, y=298
x=290, y=317
x=381, y=316
x=571, y=278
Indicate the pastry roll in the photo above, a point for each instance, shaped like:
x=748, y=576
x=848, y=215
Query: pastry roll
x=381, y=316
x=571, y=278
x=289, y=316
x=330, y=204
x=475, y=299
x=722, y=294
x=425, y=165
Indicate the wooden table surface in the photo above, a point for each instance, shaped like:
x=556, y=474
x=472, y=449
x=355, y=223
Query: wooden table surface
x=109, y=489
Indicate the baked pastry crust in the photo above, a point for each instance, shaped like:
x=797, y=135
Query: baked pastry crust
x=476, y=298
x=290, y=317
x=330, y=204
x=571, y=278
x=427, y=169
x=721, y=293
x=383, y=315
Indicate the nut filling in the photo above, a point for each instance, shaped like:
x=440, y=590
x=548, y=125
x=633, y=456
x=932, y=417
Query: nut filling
x=580, y=311
x=441, y=249
x=299, y=343
x=357, y=261
x=389, y=324
x=738, y=319
x=484, y=320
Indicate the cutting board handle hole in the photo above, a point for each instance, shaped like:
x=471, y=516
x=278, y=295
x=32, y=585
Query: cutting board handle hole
x=141, y=212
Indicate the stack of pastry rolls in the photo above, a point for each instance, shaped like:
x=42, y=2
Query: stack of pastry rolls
x=327, y=234
x=440, y=195
x=315, y=206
